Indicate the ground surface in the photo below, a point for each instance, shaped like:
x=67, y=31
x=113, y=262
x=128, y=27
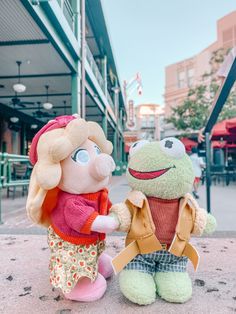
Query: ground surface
x=25, y=288
x=24, y=276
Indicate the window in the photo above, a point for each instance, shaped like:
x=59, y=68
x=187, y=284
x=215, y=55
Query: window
x=190, y=73
x=151, y=122
x=181, y=79
x=144, y=122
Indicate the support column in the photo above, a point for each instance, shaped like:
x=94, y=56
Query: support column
x=76, y=77
x=75, y=93
x=116, y=91
x=83, y=57
x=104, y=73
x=75, y=4
x=208, y=171
x=124, y=154
x=121, y=119
x=104, y=122
x=115, y=146
x=121, y=149
x=23, y=140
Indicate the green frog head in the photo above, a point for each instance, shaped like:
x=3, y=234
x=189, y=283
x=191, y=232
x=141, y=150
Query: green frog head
x=160, y=169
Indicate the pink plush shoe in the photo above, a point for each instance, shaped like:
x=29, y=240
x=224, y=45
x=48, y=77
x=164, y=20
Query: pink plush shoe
x=105, y=266
x=87, y=291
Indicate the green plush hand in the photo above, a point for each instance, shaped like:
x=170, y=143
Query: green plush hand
x=210, y=225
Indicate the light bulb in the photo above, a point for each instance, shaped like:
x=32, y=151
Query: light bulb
x=19, y=88
x=14, y=119
x=47, y=105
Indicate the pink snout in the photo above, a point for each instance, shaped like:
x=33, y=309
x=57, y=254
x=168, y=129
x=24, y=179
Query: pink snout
x=102, y=167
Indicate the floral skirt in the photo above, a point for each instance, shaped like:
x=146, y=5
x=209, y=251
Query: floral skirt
x=69, y=262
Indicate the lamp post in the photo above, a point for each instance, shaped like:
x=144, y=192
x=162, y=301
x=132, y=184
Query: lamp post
x=116, y=91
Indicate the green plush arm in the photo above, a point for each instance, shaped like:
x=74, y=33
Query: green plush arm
x=204, y=223
x=211, y=224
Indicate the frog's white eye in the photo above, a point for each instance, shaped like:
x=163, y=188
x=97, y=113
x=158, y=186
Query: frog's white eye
x=136, y=146
x=172, y=147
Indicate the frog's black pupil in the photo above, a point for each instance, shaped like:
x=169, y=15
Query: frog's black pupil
x=135, y=144
x=168, y=144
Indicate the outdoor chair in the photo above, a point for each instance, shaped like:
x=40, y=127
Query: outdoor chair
x=230, y=174
x=218, y=174
x=19, y=172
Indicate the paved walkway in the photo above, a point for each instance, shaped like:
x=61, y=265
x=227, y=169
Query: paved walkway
x=25, y=288
x=24, y=276
x=223, y=208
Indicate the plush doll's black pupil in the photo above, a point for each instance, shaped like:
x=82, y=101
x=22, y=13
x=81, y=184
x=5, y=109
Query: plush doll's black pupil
x=135, y=144
x=168, y=144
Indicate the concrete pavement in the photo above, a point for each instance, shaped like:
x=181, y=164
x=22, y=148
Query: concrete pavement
x=25, y=288
x=24, y=275
x=223, y=208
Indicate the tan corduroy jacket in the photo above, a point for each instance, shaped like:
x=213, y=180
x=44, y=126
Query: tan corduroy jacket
x=141, y=238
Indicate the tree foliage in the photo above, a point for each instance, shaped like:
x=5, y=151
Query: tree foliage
x=192, y=113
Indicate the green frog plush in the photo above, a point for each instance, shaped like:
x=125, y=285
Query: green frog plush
x=159, y=216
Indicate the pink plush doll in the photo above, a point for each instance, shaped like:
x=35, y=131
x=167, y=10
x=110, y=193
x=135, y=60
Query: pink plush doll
x=68, y=195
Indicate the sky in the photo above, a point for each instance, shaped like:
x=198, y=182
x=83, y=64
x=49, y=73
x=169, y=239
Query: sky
x=148, y=35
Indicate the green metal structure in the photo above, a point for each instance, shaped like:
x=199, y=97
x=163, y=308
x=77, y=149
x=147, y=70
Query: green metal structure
x=78, y=66
x=7, y=177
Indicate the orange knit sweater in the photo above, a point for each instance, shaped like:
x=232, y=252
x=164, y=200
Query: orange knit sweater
x=165, y=216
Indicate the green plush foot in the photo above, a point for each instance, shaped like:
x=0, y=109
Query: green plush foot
x=174, y=286
x=137, y=287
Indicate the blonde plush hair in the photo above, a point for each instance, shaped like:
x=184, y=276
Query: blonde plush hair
x=53, y=147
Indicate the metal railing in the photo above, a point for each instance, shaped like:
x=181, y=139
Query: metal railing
x=14, y=171
x=110, y=101
x=98, y=75
x=94, y=68
x=70, y=17
x=68, y=12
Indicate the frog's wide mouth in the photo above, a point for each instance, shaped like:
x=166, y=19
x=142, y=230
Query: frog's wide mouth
x=148, y=175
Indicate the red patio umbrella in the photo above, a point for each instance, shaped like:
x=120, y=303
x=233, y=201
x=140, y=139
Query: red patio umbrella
x=189, y=144
x=218, y=144
x=225, y=130
x=230, y=145
x=231, y=125
x=219, y=130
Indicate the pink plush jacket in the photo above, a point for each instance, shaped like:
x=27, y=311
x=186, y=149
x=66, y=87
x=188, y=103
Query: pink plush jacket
x=73, y=216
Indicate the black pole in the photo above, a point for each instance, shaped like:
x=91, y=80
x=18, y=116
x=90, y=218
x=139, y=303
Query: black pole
x=208, y=171
x=218, y=104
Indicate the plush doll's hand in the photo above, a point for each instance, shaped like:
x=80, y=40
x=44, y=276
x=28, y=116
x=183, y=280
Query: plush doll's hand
x=105, y=224
x=210, y=224
x=204, y=223
x=123, y=214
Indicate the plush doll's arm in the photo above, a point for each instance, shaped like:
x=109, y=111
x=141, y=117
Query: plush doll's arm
x=105, y=224
x=200, y=221
x=204, y=222
x=122, y=213
x=83, y=218
x=210, y=225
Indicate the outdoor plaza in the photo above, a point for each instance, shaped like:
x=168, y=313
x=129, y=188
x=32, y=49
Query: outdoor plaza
x=25, y=247
x=57, y=60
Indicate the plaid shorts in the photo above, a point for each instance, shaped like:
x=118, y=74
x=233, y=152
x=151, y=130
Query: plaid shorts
x=159, y=261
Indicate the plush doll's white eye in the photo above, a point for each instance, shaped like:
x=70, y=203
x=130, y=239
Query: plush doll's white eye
x=172, y=147
x=136, y=146
x=81, y=156
x=97, y=150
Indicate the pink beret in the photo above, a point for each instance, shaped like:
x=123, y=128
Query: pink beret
x=57, y=123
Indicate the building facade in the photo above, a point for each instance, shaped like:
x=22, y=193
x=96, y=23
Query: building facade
x=181, y=76
x=149, y=118
x=63, y=72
